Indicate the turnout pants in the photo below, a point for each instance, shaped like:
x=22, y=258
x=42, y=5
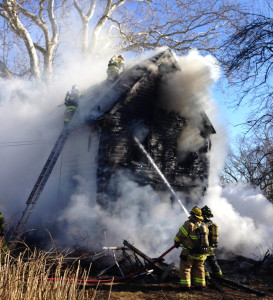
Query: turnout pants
x=112, y=73
x=211, y=261
x=70, y=110
x=191, y=269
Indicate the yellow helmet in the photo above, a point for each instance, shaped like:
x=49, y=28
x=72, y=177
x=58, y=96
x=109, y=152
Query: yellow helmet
x=197, y=212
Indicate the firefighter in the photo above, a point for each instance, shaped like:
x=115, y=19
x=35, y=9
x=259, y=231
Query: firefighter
x=211, y=260
x=193, y=236
x=71, y=102
x=114, y=66
x=3, y=246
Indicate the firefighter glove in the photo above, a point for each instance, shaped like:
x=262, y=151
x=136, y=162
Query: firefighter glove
x=200, y=250
x=176, y=244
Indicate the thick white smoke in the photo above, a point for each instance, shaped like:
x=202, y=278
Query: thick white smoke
x=31, y=120
x=149, y=221
x=140, y=215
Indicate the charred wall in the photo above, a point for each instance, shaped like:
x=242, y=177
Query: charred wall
x=118, y=151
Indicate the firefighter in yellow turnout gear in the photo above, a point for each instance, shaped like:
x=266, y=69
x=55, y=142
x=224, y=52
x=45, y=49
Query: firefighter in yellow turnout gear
x=114, y=66
x=3, y=243
x=211, y=260
x=71, y=102
x=193, y=236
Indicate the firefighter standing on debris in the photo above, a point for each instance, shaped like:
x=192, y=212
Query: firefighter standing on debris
x=211, y=260
x=3, y=245
x=114, y=66
x=71, y=102
x=193, y=236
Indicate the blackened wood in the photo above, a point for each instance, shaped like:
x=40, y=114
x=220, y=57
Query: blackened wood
x=144, y=256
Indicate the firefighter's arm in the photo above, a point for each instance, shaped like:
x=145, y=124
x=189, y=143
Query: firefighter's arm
x=177, y=240
x=122, y=65
x=66, y=97
x=183, y=237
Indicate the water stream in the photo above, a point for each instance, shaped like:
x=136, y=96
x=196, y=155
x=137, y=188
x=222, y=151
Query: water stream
x=161, y=175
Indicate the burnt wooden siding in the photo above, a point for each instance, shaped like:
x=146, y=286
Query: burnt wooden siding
x=133, y=101
x=118, y=151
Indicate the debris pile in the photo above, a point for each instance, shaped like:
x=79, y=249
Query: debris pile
x=128, y=261
x=247, y=267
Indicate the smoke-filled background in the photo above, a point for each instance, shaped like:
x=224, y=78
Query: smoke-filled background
x=30, y=124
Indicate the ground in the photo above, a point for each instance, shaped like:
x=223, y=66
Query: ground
x=131, y=291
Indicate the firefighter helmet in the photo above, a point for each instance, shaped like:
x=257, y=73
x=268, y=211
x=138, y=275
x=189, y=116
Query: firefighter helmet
x=196, y=212
x=206, y=212
x=120, y=56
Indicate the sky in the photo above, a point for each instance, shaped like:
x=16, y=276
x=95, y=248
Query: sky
x=231, y=117
x=225, y=95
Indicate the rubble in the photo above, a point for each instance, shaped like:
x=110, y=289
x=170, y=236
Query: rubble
x=129, y=260
x=130, y=268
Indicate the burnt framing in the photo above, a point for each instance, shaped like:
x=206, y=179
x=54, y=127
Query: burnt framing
x=137, y=105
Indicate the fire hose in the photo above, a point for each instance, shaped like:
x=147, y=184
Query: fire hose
x=115, y=279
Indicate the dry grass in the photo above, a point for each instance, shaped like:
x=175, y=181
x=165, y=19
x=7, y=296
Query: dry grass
x=25, y=277
x=22, y=278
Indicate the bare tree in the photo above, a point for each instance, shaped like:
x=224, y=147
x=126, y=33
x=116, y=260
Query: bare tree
x=248, y=63
x=252, y=163
x=138, y=25
x=85, y=18
x=19, y=19
x=180, y=25
x=125, y=25
x=110, y=7
x=4, y=72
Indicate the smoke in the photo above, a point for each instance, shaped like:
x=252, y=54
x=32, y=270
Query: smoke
x=140, y=215
x=244, y=215
x=190, y=140
x=31, y=120
x=188, y=92
x=27, y=127
x=244, y=218
x=147, y=218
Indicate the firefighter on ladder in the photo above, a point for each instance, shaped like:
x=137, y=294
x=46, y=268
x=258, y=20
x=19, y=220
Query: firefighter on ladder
x=114, y=66
x=211, y=260
x=193, y=236
x=71, y=102
x=3, y=246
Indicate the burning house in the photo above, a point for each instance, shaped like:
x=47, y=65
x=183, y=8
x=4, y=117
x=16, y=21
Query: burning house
x=135, y=105
x=135, y=129
x=99, y=145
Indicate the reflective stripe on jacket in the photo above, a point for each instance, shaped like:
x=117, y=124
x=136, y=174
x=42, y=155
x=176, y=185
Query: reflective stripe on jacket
x=72, y=99
x=188, y=237
x=116, y=65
